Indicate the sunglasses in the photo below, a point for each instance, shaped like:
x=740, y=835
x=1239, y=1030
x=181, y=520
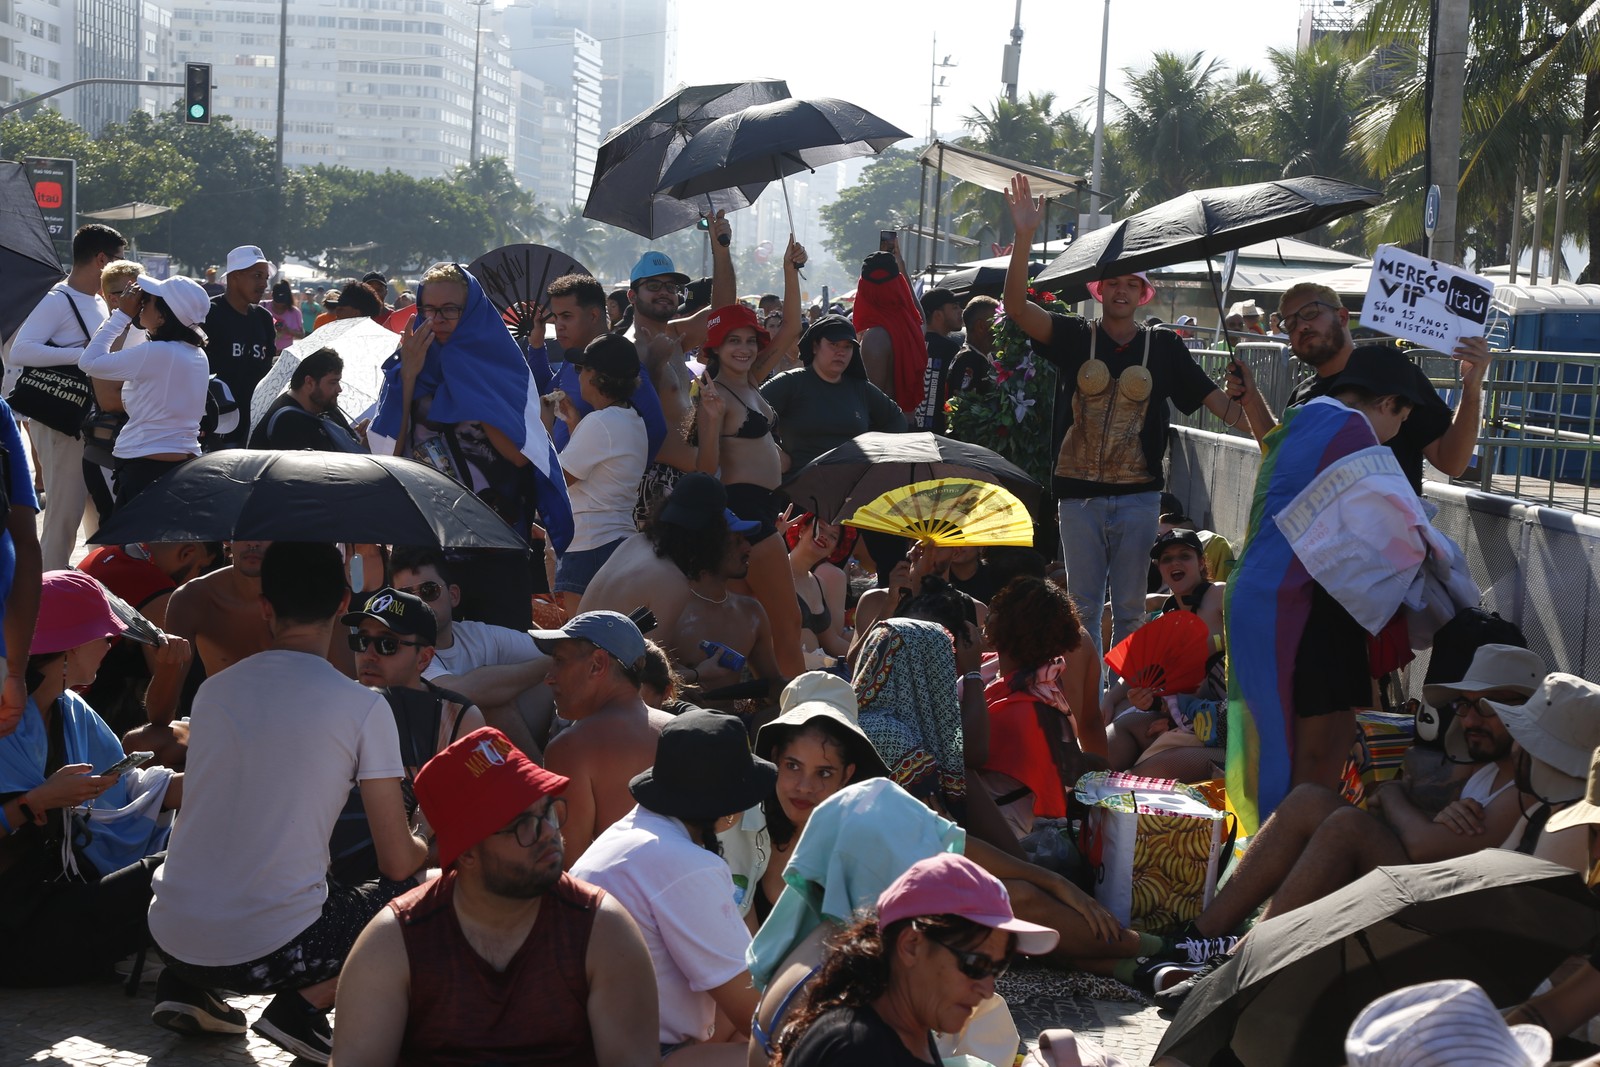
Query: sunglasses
x=975, y=965
x=428, y=591
x=385, y=644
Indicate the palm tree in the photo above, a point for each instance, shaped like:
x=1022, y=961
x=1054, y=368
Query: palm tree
x=1024, y=131
x=575, y=235
x=510, y=206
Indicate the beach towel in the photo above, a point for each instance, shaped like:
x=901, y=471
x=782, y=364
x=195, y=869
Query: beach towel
x=884, y=298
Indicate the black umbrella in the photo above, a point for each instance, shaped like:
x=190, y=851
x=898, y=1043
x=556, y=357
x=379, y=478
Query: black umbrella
x=515, y=277
x=28, y=262
x=841, y=480
x=1291, y=991
x=634, y=157
x=769, y=141
x=255, y=495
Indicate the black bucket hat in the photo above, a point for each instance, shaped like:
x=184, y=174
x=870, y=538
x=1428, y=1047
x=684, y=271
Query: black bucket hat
x=704, y=769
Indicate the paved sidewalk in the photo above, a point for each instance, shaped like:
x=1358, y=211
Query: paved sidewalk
x=97, y=1026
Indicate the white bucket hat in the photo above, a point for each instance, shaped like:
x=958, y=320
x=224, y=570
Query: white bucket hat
x=1559, y=727
x=1450, y=1023
x=821, y=695
x=1493, y=667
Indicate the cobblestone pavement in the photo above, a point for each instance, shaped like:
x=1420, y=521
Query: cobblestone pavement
x=97, y=1026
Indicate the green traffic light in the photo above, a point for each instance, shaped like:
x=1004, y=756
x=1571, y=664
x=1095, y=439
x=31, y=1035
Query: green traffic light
x=197, y=111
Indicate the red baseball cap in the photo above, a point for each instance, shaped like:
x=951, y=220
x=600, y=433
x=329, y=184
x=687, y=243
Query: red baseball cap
x=476, y=786
x=724, y=321
x=948, y=884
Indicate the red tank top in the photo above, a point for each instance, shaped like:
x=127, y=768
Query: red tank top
x=464, y=1012
x=1018, y=747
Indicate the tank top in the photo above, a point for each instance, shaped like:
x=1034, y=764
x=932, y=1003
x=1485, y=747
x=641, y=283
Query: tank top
x=1018, y=747
x=464, y=1012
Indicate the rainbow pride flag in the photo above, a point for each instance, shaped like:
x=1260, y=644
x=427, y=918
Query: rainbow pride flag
x=1268, y=600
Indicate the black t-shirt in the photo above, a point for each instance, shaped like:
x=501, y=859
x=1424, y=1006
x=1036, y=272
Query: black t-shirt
x=298, y=428
x=1422, y=427
x=240, y=349
x=941, y=353
x=854, y=1037
x=970, y=371
x=1174, y=374
x=982, y=586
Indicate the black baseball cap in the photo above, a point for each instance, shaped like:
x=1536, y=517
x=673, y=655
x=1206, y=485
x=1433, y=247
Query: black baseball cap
x=374, y=276
x=1385, y=371
x=827, y=328
x=1176, y=537
x=405, y=614
x=610, y=353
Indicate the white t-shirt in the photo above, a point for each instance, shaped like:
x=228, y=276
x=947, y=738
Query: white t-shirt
x=682, y=898
x=275, y=742
x=51, y=335
x=164, y=390
x=480, y=644
x=607, y=455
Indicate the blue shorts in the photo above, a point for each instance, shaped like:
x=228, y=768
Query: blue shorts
x=575, y=570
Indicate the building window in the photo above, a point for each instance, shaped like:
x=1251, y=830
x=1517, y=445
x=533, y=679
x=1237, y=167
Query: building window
x=55, y=71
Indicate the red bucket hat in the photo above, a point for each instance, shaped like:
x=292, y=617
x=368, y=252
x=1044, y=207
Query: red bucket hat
x=725, y=320
x=477, y=785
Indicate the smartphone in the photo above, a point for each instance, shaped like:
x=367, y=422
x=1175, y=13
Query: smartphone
x=128, y=763
x=888, y=240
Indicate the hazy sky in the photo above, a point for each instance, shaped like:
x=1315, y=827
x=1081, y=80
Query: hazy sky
x=877, y=53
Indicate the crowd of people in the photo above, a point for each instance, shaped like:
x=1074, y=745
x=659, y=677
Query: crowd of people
x=703, y=777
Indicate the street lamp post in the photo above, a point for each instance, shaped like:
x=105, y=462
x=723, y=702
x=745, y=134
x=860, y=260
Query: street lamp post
x=935, y=80
x=477, y=76
x=1099, y=124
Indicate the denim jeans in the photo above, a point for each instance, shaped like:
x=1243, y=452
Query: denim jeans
x=1108, y=538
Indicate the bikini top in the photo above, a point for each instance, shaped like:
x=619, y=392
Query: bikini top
x=815, y=621
x=756, y=424
x=1135, y=383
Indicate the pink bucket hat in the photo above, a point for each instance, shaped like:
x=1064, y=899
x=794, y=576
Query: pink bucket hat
x=75, y=609
x=948, y=884
x=1149, y=290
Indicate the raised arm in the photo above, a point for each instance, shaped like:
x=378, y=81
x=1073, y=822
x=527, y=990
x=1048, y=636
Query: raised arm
x=724, y=286
x=1026, y=214
x=794, y=257
x=1452, y=450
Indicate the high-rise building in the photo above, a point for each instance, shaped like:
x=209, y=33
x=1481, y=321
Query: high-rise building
x=638, y=42
x=566, y=63
x=155, y=60
x=106, y=45
x=36, y=50
x=372, y=84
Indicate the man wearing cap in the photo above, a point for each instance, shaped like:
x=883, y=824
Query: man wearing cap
x=503, y=958
x=603, y=460
x=1318, y=327
x=240, y=333
x=376, y=283
x=1115, y=379
x=941, y=313
x=594, y=673
x=1315, y=842
x=828, y=400
x=678, y=568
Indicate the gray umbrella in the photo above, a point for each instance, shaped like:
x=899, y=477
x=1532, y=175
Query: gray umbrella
x=1291, y=991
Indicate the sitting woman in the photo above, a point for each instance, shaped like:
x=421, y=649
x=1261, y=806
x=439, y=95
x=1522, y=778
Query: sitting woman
x=1180, y=735
x=1044, y=715
x=819, y=586
x=818, y=748
x=663, y=862
x=857, y=842
x=164, y=379
x=943, y=933
x=77, y=845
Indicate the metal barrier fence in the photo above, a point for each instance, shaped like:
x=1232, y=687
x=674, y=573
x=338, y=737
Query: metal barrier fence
x=1541, y=413
x=1537, y=566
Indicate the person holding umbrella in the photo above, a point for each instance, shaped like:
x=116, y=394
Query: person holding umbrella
x=1116, y=377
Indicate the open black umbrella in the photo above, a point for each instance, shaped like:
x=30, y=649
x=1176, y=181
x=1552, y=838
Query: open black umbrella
x=769, y=141
x=255, y=495
x=634, y=157
x=1291, y=991
x=841, y=480
x=28, y=261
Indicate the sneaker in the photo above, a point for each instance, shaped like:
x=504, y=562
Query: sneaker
x=292, y=1024
x=1173, y=996
x=188, y=1009
x=1200, y=949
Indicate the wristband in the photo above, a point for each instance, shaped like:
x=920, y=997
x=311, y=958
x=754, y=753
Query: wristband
x=27, y=812
x=5, y=821
x=973, y=676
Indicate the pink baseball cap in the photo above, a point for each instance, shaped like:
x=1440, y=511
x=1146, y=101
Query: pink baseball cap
x=1149, y=290
x=948, y=884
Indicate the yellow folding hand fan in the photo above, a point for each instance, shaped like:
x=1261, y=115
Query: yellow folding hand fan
x=951, y=512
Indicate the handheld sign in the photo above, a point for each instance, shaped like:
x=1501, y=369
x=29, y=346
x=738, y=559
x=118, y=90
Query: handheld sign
x=1421, y=300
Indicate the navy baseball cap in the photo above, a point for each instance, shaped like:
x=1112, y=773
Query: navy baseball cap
x=695, y=499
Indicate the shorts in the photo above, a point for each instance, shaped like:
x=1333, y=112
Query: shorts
x=754, y=503
x=314, y=955
x=575, y=570
x=1332, y=666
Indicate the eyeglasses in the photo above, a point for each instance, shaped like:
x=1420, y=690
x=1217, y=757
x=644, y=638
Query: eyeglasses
x=383, y=643
x=117, y=292
x=530, y=826
x=444, y=312
x=974, y=965
x=1481, y=707
x=661, y=287
x=428, y=591
x=1305, y=313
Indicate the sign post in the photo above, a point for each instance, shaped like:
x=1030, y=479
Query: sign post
x=55, y=190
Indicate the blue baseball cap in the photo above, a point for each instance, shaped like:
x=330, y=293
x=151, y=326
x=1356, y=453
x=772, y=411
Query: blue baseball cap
x=609, y=630
x=655, y=264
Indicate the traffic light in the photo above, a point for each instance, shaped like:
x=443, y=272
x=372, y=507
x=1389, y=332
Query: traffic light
x=197, y=92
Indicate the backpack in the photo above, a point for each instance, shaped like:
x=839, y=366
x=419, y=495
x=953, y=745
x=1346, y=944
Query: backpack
x=1453, y=648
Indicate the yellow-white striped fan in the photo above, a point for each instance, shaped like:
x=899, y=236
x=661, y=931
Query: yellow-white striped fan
x=950, y=512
